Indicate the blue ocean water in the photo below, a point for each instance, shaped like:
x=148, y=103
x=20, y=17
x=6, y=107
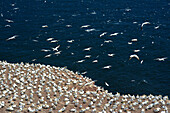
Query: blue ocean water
x=64, y=20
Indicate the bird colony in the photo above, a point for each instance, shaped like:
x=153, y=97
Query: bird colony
x=49, y=89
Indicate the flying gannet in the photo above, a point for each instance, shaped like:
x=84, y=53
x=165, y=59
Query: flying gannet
x=134, y=56
x=11, y=38
x=144, y=24
x=103, y=34
x=87, y=49
x=107, y=67
x=161, y=59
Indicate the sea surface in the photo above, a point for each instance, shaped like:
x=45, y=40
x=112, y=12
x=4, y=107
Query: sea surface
x=85, y=32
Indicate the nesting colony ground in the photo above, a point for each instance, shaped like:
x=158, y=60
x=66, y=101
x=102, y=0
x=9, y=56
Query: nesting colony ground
x=45, y=88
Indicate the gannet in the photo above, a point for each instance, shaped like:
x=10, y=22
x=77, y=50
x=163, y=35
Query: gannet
x=161, y=59
x=108, y=41
x=53, y=41
x=70, y=41
x=80, y=61
x=11, y=38
x=114, y=34
x=87, y=49
x=95, y=61
x=156, y=27
x=136, y=50
x=106, y=84
x=144, y=24
x=48, y=56
x=45, y=50
x=49, y=39
x=44, y=26
x=84, y=26
x=103, y=34
x=111, y=55
x=10, y=21
x=134, y=55
x=134, y=40
x=87, y=56
x=56, y=48
x=107, y=67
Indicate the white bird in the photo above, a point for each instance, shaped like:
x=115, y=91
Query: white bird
x=56, y=48
x=141, y=61
x=53, y=41
x=144, y=24
x=134, y=56
x=111, y=55
x=108, y=41
x=134, y=40
x=70, y=41
x=49, y=39
x=68, y=25
x=48, y=56
x=106, y=84
x=45, y=50
x=156, y=27
x=80, y=61
x=58, y=52
x=136, y=50
x=103, y=34
x=161, y=59
x=87, y=56
x=95, y=61
x=83, y=73
x=89, y=30
x=44, y=26
x=87, y=49
x=114, y=34
x=84, y=26
x=107, y=67
x=11, y=38
x=10, y=21
x=129, y=43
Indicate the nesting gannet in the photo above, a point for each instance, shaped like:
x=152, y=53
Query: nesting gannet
x=43, y=26
x=144, y=24
x=114, y=34
x=87, y=49
x=107, y=67
x=106, y=84
x=56, y=48
x=134, y=56
x=111, y=55
x=84, y=26
x=11, y=38
x=161, y=59
x=103, y=34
